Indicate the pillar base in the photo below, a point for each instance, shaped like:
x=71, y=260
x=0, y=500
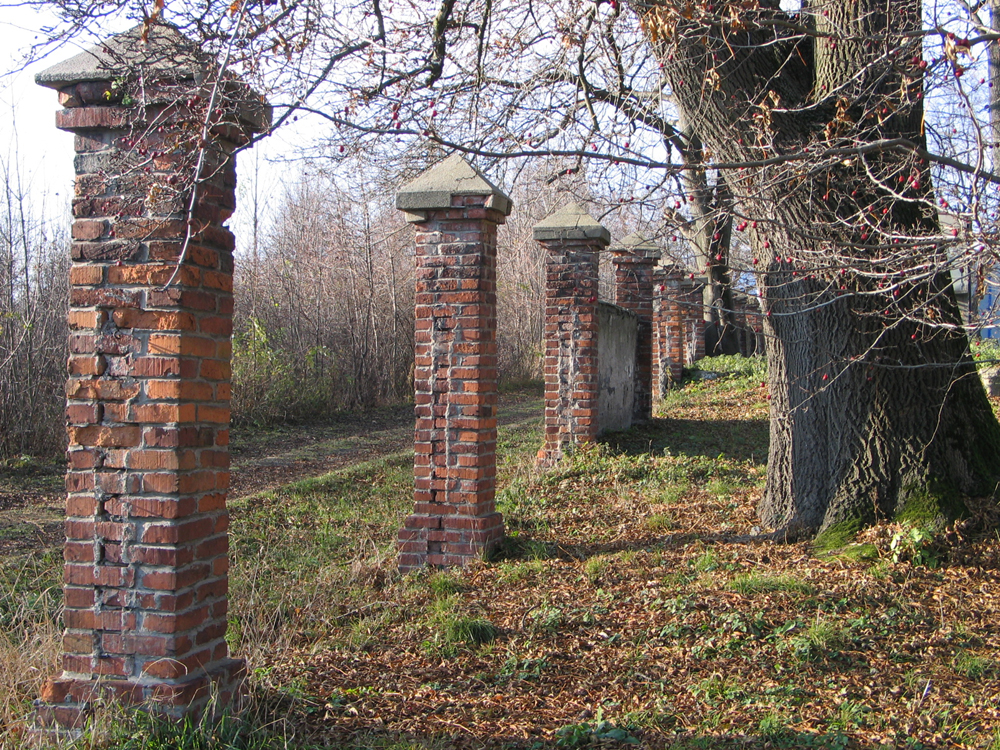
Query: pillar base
x=433, y=541
x=68, y=702
x=546, y=458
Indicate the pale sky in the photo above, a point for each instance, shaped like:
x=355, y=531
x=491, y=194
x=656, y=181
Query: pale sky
x=27, y=122
x=27, y=112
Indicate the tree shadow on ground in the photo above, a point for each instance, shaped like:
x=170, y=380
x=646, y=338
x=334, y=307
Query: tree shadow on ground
x=297, y=720
x=737, y=439
x=525, y=547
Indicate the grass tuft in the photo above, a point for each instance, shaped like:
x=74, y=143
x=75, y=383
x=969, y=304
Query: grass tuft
x=749, y=584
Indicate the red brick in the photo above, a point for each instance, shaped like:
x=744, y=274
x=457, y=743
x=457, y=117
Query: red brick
x=163, y=413
x=217, y=326
x=82, y=414
x=92, y=118
x=80, y=296
x=194, y=346
x=213, y=369
x=160, y=482
x=84, y=319
x=154, y=320
x=106, y=437
x=98, y=575
x=105, y=389
x=151, y=275
x=200, y=481
x=215, y=414
x=156, y=367
x=85, y=275
x=176, y=533
x=218, y=280
x=83, y=366
x=78, y=551
x=88, y=229
x=174, y=623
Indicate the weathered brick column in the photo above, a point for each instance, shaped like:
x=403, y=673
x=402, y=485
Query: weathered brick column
x=668, y=329
x=678, y=325
x=572, y=240
x=149, y=378
x=633, y=261
x=691, y=300
x=456, y=212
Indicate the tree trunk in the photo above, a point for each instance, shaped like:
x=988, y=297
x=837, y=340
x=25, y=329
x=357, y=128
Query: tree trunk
x=874, y=396
x=709, y=233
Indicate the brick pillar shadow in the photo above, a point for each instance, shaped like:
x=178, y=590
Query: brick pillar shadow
x=149, y=378
x=572, y=241
x=455, y=211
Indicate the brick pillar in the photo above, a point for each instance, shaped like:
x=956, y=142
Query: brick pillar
x=149, y=379
x=663, y=375
x=633, y=263
x=676, y=316
x=456, y=212
x=572, y=240
x=692, y=307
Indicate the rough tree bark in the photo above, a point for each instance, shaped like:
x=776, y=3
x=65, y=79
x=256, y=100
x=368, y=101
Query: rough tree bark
x=874, y=395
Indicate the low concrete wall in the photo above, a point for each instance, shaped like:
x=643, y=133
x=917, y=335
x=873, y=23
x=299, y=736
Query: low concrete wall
x=616, y=345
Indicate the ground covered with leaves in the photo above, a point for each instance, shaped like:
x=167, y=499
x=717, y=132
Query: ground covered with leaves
x=634, y=603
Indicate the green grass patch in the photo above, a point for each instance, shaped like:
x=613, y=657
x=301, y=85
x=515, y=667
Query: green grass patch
x=303, y=554
x=444, y=584
x=973, y=666
x=658, y=522
x=452, y=629
x=596, y=567
x=749, y=584
x=674, y=492
x=749, y=368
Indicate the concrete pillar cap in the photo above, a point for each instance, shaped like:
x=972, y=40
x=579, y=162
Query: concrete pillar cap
x=159, y=47
x=571, y=222
x=158, y=50
x=637, y=244
x=434, y=189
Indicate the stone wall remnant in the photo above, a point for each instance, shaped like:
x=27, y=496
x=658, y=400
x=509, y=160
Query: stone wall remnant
x=618, y=338
x=678, y=338
x=633, y=261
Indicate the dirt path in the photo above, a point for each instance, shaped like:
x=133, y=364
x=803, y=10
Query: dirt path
x=31, y=498
x=266, y=459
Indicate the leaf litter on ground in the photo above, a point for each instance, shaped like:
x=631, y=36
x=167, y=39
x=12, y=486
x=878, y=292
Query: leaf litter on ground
x=632, y=604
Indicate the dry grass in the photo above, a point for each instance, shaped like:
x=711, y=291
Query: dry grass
x=30, y=643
